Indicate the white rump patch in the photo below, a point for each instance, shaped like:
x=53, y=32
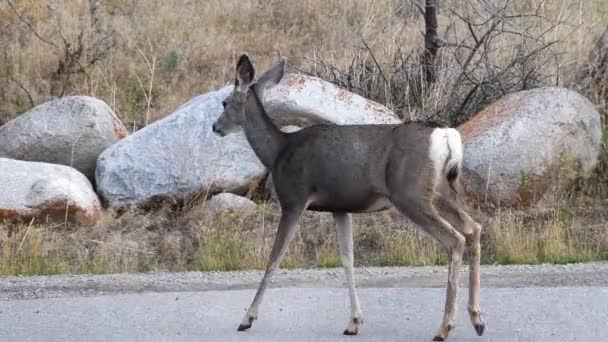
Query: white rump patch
x=445, y=143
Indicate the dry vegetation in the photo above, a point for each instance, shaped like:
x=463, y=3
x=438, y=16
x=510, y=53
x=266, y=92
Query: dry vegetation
x=189, y=239
x=145, y=58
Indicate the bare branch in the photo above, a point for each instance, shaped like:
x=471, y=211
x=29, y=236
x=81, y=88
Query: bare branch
x=20, y=85
x=30, y=27
x=93, y=13
x=374, y=59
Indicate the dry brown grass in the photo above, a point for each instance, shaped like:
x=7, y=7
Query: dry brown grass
x=189, y=239
x=194, y=43
x=169, y=51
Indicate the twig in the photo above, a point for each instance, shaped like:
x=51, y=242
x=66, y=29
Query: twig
x=419, y=7
x=29, y=25
x=374, y=59
x=151, y=68
x=20, y=85
x=25, y=235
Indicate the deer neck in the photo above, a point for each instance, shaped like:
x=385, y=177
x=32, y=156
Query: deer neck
x=263, y=135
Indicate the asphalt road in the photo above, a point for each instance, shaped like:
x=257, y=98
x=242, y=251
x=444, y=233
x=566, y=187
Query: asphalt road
x=544, y=313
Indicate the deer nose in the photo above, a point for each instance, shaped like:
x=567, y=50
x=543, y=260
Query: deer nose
x=217, y=130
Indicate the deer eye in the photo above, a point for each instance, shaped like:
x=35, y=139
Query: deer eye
x=224, y=104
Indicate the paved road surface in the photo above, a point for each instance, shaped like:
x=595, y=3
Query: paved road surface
x=575, y=309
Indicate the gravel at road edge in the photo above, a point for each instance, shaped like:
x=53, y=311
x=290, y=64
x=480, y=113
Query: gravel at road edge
x=16, y=288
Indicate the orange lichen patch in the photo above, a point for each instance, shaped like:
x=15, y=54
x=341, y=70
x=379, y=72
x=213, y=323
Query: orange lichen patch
x=8, y=214
x=376, y=107
x=490, y=116
x=119, y=130
x=295, y=81
x=344, y=96
x=55, y=212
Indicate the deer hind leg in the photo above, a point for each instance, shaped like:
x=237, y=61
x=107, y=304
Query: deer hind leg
x=345, y=241
x=424, y=214
x=471, y=230
x=287, y=228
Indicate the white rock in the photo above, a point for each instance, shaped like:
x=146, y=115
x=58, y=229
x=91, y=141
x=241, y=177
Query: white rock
x=227, y=201
x=178, y=157
x=70, y=131
x=41, y=190
x=514, y=149
x=305, y=100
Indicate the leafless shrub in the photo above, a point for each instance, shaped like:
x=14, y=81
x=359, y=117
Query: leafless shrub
x=488, y=50
x=486, y=69
x=75, y=54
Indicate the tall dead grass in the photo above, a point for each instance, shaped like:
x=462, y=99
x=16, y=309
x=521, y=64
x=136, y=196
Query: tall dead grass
x=194, y=43
x=191, y=239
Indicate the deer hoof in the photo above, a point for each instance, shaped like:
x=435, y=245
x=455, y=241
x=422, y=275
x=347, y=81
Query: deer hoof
x=479, y=328
x=444, y=331
x=353, y=327
x=243, y=327
x=246, y=324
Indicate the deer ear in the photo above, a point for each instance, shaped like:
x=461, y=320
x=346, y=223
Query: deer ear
x=273, y=76
x=245, y=74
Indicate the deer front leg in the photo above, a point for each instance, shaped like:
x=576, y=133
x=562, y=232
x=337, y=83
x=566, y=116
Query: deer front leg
x=287, y=228
x=345, y=241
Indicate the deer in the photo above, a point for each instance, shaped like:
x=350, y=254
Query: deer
x=344, y=169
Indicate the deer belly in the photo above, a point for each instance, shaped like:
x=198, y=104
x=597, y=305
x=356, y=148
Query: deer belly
x=379, y=204
x=351, y=205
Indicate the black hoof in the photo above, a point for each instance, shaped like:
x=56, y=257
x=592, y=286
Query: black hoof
x=438, y=338
x=349, y=333
x=243, y=327
x=479, y=328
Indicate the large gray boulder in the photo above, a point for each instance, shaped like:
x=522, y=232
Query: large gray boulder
x=70, y=131
x=32, y=190
x=305, y=100
x=178, y=157
x=519, y=147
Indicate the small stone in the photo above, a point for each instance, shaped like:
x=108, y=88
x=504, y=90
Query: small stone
x=229, y=202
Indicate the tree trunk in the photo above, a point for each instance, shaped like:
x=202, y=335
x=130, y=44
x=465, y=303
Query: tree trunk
x=431, y=42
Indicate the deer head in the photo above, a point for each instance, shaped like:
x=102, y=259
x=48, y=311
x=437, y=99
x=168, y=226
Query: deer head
x=233, y=116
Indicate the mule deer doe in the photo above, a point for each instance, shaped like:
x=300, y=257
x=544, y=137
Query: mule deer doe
x=358, y=169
